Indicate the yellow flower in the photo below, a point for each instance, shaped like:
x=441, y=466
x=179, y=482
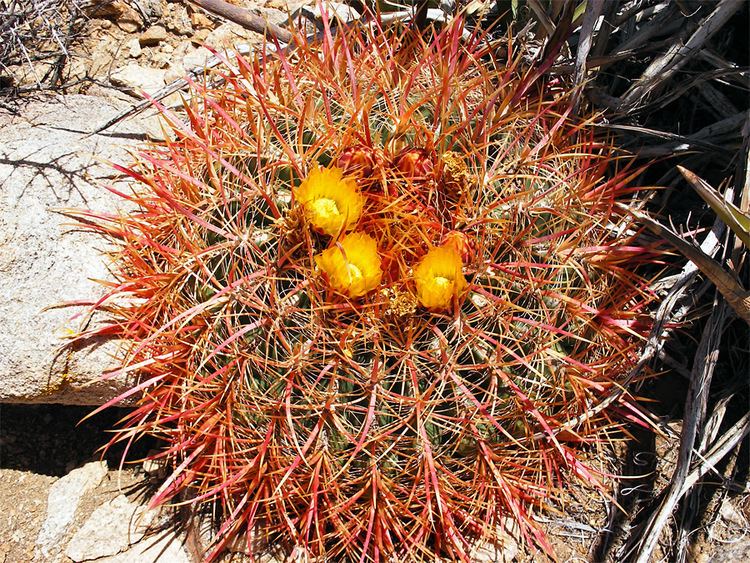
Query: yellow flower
x=352, y=265
x=438, y=277
x=332, y=203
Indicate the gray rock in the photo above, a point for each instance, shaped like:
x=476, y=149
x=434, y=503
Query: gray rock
x=46, y=164
x=154, y=8
x=137, y=78
x=62, y=503
x=159, y=548
x=111, y=529
x=179, y=20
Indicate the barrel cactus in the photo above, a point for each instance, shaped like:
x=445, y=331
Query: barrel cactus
x=376, y=290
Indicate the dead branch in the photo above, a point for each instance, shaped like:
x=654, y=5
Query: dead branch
x=245, y=18
x=665, y=66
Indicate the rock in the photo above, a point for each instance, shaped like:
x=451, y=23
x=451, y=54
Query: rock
x=62, y=503
x=30, y=73
x=152, y=8
x=152, y=36
x=159, y=548
x=130, y=20
x=162, y=60
x=344, y=12
x=201, y=21
x=23, y=498
x=174, y=72
x=279, y=17
x=76, y=70
x=137, y=78
x=197, y=58
x=179, y=21
x=47, y=163
x=286, y=6
x=110, y=529
x=278, y=4
x=99, y=60
x=176, y=68
x=227, y=35
x=504, y=550
x=503, y=553
x=731, y=515
x=155, y=467
x=230, y=35
x=736, y=551
x=134, y=48
x=126, y=17
x=129, y=26
x=109, y=9
x=199, y=37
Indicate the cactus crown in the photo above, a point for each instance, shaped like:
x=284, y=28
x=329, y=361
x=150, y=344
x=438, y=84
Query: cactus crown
x=377, y=288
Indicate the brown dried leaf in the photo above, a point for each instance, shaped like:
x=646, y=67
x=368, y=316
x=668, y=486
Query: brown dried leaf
x=736, y=295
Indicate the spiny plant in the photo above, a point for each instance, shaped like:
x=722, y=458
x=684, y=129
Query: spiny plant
x=378, y=290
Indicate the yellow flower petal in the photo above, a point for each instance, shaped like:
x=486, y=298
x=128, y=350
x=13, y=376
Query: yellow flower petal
x=438, y=277
x=352, y=265
x=331, y=202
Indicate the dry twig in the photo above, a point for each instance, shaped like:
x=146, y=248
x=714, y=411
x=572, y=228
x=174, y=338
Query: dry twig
x=661, y=69
x=695, y=410
x=246, y=19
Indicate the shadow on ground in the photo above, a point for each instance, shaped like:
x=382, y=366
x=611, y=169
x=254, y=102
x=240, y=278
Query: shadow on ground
x=53, y=439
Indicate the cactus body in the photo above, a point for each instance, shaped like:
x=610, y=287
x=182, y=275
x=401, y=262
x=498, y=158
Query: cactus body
x=377, y=290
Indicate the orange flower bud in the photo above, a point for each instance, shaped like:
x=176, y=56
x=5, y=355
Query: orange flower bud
x=358, y=159
x=464, y=245
x=414, y=163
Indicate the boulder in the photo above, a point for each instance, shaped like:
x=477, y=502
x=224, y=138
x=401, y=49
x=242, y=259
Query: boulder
x=62, y=503
x=137, y=78
x=49, y=164
x=111, y=529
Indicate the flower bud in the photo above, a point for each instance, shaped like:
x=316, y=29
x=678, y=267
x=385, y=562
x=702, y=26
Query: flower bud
x=414, y=163
x=461, y=242
x=358, y=159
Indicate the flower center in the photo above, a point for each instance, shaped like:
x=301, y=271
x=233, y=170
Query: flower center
x=355, y=274
x=325, y=208
x=441, y=282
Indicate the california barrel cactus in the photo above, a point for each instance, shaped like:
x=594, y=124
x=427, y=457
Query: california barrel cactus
x=376, y=290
